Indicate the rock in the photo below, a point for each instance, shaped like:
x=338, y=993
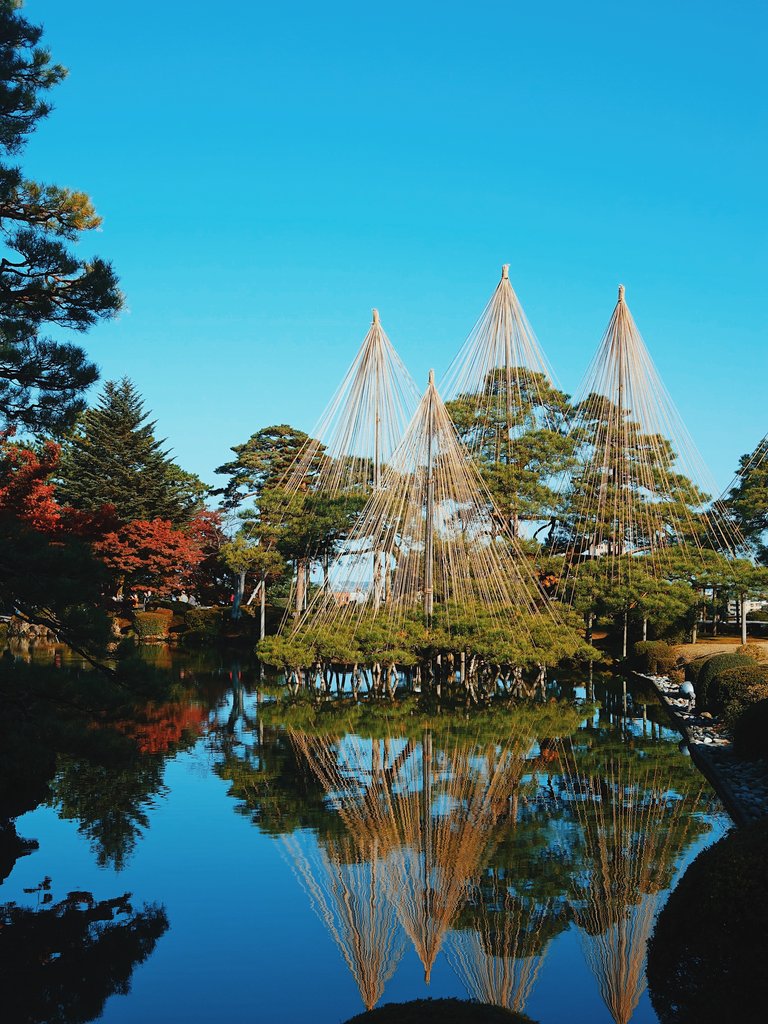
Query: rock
x=706, y=714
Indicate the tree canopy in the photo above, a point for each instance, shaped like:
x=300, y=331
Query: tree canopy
x=43, y=279
x=113, y=458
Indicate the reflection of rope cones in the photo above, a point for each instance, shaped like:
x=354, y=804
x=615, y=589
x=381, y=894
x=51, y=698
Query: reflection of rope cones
x=634, y=828
x=432, y=812
x=500, y=962
x=643, y=487
x=348, y=895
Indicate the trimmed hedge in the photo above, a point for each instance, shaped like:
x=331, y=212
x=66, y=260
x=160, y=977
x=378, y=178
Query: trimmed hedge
x=204, y=625
x=735, y=689
x=656, y=657
x=152, y=625
x=710, y=670
x=750, y=733
x=708, y=953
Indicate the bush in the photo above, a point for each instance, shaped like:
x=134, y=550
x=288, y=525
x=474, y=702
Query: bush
x=655, y=657
x=152, y=625
x=735, y=689
x=750, y=733
x=755, y=651
x=203, y=625
x=708, y=951
x=693, y=668
x=711, y=668
x=440, y=1011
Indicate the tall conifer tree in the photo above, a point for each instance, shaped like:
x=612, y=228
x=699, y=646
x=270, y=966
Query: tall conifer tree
x=113, y=458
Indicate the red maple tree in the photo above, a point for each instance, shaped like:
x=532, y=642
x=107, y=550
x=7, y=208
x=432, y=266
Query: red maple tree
x=150, y=554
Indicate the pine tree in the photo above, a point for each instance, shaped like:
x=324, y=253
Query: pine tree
x=748, y=499
x=113, y=458
x=42, y=281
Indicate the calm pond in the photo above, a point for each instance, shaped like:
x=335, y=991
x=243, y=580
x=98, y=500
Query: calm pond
x=285, y=862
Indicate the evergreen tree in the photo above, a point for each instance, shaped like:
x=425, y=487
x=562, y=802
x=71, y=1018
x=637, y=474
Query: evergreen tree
x=113, y=458
x=748, y=499
x=42, y=281
x=521, y=441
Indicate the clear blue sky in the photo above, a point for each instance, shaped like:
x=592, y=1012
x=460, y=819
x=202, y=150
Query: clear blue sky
x=267, y=172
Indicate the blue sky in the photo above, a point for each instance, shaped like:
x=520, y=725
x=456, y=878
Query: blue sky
x=267, y=172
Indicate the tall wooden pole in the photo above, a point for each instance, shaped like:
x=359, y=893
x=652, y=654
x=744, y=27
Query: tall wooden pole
x=620, y=439
x=506, y=327
x=429, y=539
x=377, y=568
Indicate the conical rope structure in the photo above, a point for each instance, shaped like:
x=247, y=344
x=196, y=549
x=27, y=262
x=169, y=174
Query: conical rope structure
x=500, y=961
x=429, y=537
x=341, y=462
x=634, y=827
x=362, y=425
x=642, y=488
x=501, y=394
x=432, y=811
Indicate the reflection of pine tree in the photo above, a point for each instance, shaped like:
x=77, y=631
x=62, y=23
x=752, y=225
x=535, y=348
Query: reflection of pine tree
x=499, y=961
x=349, y=895
x=63, y=961
x=634, y=828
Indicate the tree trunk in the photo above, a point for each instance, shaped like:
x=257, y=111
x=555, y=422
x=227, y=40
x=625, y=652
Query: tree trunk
x=624, y=639
x=301, y=585
x=239, y=591
x=645, y=627
x=263, y=609
x=714, y=611
x=743, y=607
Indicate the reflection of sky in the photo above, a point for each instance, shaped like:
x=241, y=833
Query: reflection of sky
x=243, y=941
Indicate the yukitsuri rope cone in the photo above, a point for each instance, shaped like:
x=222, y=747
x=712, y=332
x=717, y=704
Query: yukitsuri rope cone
x=433, y=811
x=499, y=962
x=354, y=439
x=634, y=826
x=641, y=488
x=429, y=536
x=362, y=425
x=501, y=393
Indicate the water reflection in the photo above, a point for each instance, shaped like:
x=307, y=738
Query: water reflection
x=496, y=845
x=636, y=819
x=484, y=835
x=61, y=961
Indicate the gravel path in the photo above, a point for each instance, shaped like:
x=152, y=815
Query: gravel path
x=742, y=785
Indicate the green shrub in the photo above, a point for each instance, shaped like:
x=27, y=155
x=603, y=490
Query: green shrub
x=711, y=668
x=733, y=690
x=693, y=668
x=152, y=625
x=750, y=733
x=656, y=657
x=709, y=949
x=203, y=625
